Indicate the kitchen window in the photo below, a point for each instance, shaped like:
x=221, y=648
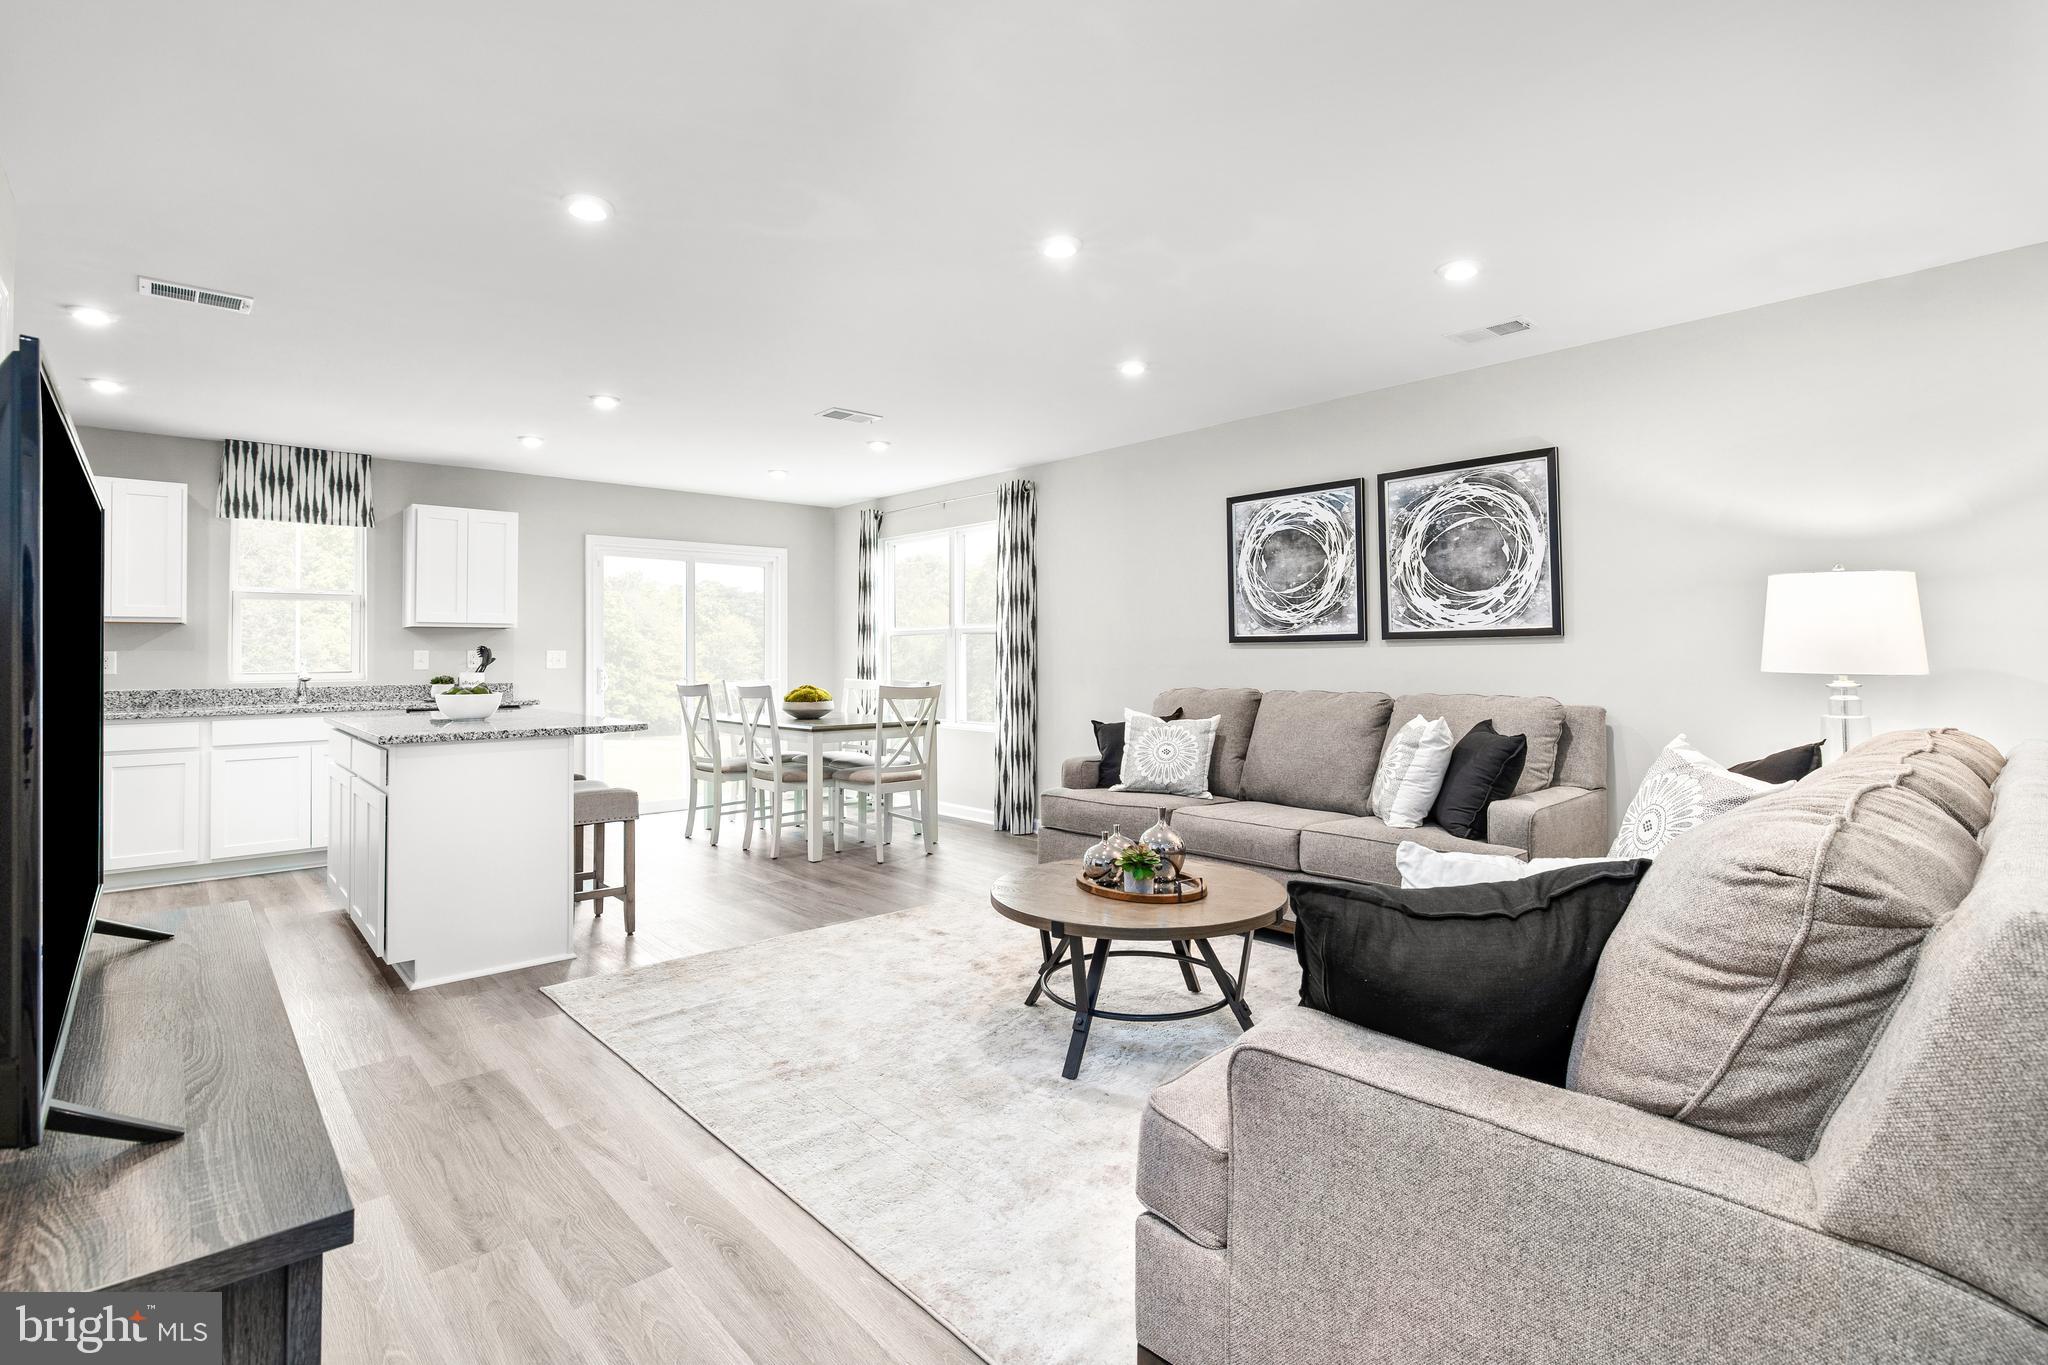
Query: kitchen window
x=938, y=618
x=298, y=601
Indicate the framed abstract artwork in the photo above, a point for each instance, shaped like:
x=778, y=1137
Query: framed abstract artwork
x=1471, y=549
x=1295, y=569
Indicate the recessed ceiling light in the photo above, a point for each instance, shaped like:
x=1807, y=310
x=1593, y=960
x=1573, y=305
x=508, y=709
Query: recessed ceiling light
x=532, y=442
x=1059, y=248
x=91, y=317
x=778, y=473
x=878, y=446
x=588, y=207
x=1458, y=272
x=604, y=402
x=1132, y=368
x=106, y=386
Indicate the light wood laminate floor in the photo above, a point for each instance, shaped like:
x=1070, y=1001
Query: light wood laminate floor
x=521, y=1193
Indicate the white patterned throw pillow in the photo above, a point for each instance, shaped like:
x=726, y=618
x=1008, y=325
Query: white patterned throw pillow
x=1422, y=867
x=1170, y=757
x=1683, y=790
x=1412, y=772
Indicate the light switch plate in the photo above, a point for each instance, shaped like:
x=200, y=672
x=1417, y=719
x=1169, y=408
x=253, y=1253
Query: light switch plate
x=419, y=659
x=113, y=663
x=558, y=658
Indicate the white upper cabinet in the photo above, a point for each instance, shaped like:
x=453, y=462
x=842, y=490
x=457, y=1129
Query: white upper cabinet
x=461, y=566
x=145, y=564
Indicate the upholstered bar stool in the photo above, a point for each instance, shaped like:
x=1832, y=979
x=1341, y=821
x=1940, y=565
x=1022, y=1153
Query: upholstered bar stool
x=598, y=805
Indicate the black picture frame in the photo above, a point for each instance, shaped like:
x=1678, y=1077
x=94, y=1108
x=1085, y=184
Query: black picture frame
x=1552, y=559
x=1241, y=632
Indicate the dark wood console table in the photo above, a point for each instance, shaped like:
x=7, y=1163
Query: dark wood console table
x=190, y=1032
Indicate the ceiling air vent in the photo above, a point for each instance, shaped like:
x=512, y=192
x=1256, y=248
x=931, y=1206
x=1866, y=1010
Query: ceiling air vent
x=185, y=293
x=851, y=415
x=1499, y=329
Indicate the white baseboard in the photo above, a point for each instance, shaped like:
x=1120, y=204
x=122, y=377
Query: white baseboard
x=977, y=814
x=184, y=874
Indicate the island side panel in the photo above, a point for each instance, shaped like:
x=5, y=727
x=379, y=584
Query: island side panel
x=478, y=875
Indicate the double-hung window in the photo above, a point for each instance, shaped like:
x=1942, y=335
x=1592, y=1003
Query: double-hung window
x=938, y=618
x=298, y=601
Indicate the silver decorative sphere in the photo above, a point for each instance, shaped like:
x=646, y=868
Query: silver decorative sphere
x=1171, y=848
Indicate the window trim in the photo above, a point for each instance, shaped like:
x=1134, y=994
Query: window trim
x=359, y=607
x=955, y=632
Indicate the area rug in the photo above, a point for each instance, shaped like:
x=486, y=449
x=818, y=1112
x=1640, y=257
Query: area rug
x=886, y=1074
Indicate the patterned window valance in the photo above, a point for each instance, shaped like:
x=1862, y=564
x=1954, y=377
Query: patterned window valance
x=295, y=483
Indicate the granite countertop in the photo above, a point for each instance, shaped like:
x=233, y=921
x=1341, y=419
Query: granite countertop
x=201, y=703
x=386, y=728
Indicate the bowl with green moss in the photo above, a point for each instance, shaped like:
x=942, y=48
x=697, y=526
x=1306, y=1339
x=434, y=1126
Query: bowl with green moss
x=468, y=703
x=807, y=702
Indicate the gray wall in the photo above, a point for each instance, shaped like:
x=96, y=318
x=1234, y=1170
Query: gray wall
x=1899, y=424
x=9, y=290
x=554, y=517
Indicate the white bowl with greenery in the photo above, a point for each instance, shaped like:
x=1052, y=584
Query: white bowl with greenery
x=460, y=705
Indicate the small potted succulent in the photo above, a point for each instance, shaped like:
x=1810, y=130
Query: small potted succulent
x=438, y=684
x=1140, y=865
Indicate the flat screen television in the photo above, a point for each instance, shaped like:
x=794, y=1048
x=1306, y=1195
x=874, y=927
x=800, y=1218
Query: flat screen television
x=52, y=532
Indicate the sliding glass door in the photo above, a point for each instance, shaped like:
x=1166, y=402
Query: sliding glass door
x=663, y=612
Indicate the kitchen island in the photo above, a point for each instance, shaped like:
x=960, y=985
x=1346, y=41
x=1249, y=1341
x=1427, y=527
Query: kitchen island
x=449, y=841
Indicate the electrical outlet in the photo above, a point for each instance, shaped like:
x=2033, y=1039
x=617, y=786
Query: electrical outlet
x=419, y=660
x=558, y=658
x=113, y=663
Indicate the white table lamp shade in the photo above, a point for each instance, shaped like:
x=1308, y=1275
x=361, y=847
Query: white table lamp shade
x=1843, y=623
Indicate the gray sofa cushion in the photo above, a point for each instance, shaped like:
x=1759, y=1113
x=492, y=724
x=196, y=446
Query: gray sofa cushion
x=1767, y=947
x=1317, y=749
x=1184, y=1151
x=1249, y=831
x=1540, y=719
x=1236, y=709
x=1361, y=849
x=1091, y=810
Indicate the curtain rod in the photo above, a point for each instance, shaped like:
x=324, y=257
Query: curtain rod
x=936, y=502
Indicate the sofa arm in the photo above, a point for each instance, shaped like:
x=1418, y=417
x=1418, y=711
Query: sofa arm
x=1081, y=773
x=1555, y=822
x=1417, y=1206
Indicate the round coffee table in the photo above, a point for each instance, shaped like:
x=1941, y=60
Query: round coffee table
x=1240, y=901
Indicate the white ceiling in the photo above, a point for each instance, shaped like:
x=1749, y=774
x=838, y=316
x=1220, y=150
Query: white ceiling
x=823, y=202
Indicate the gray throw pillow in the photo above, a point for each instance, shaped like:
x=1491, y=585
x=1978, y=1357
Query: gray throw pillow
x=1170, y=757
x=1766, y=948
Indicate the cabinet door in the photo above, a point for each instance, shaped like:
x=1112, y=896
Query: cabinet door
x=260, y=801
x=491, y=562
x=152, y=809
x=340, y=871
x=366, y=882
x=316, y=755
x=438, y=551
x=145, y=551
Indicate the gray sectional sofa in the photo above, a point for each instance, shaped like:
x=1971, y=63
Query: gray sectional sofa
x=1323, y=1194
x=1290, y=783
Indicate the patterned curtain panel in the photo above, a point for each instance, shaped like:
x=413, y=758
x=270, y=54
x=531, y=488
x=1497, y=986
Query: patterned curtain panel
x=864, y=595
x=1017, y=657
x=295, y=483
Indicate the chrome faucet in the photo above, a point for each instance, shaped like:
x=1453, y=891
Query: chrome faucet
x=303, y=695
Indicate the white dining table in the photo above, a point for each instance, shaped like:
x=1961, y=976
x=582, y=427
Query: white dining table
x=835, y=729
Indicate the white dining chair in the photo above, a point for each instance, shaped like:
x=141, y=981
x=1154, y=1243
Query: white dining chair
x=713, y=764
x=856, y=702
x=904, y=763
x=769, y=774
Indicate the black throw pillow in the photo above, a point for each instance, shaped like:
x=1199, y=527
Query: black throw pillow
x=1496, y=973
x=1109, y=740
x=1786, y=765
x=1484, y=768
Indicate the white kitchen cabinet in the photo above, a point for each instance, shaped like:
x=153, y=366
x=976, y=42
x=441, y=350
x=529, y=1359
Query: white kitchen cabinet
x=153, y=808
x=340, y=855
x=366, y=861
x=260, y=800
x=321, y=768
x=461, y=566
x=145, y=551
